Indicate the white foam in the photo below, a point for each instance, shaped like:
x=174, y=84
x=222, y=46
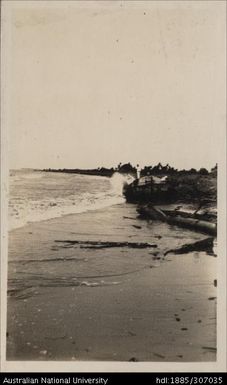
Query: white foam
x=23, y=211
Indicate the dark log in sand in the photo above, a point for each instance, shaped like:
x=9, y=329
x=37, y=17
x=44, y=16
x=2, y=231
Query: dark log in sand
x=203, y=245
x=101, y=245
x=205, y=216
x=195, y=224
x=175, y=218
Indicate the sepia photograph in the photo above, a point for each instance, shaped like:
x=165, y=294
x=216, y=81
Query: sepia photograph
x=113, y=127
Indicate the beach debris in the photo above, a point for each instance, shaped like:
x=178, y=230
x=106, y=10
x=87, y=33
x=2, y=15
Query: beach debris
x=57, y=338
x=184, y=328
x=154, y=253
x=151, y=212
x=137, y=227
x=133, y=359
x=215, y=282
x=101, y=283
x=195, y=224
x=21, y=293
x=212, y=349
x=158, y=355
x=212, y=298
x=85, y=283
x=179, y=218
x=100, y=245
x=177, y=319
x=203, y=245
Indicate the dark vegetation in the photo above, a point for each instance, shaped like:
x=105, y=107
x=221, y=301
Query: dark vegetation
x=161, y=170
x=126, y=168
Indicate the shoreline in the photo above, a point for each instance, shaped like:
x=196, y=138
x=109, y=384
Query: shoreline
x=110, y=304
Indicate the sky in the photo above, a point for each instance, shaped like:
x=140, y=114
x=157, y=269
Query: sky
x=97, y=83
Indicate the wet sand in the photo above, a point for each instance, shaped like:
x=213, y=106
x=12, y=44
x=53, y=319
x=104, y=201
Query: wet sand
x=85, y=302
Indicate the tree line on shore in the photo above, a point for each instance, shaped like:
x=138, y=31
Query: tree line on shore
x=128, y=168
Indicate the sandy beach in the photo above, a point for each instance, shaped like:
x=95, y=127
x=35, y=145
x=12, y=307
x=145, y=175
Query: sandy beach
x=124, y=301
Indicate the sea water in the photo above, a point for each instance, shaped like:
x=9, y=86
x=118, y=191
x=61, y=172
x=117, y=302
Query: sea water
x=37, y=195
x=40, y=256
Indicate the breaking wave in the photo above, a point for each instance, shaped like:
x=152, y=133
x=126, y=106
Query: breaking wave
x=37, y=196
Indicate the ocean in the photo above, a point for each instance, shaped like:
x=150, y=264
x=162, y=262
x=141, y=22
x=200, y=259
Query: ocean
x=37, y=195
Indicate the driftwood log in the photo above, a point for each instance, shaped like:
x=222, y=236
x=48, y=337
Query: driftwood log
x=203, y=245
x=180, y=219
x=104, y=245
